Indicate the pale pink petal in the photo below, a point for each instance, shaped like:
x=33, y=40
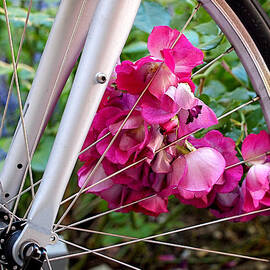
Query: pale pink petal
x=182, y=96
x=162, y=81
x=255, y=145
x=98, y=175
x=205, y=166
x=257, y=180
x=161, y=164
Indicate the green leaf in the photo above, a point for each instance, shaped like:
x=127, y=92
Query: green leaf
x=205, y=98
x=213, y=43
x=136, y=47
x=214, y=89
x=208, y=28
x=151, y=14
x=25, y=72
x=240, y=73
x=5, y=143
x=17, y=17
x=193, y=37
x=240, y=94
x=41, y=156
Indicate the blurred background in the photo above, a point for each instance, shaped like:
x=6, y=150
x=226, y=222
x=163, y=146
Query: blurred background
x=223, y=86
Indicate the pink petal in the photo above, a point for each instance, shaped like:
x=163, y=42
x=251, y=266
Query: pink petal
x=255, y=145
x=161, y=37
x=182, y=96
x=205, y=166
x=98, y=175
x=206, y=119
x=155, y=206
x=155, y=115
x=257, y=179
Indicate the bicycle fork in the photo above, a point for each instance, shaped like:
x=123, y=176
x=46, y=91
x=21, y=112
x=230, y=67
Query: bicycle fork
x=103, y=26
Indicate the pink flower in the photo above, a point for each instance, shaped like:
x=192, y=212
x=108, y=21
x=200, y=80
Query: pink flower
x=134, y=77
x=194, y=174
x=132, y=140
x=120, y=195
x=255, y=145
x=255, y=187
x=158, y=106
x=181, y=57
x=128, y=186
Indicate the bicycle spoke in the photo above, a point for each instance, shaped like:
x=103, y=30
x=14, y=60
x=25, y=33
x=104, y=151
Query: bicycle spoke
x=9, y=212
x=23, y=192
x=48, y=261
x=21, y=114
x=149, y=197
x=17, y=62
x=105, y=213
x=99, y=254
x=94, y=143
x=162, y=243
x=212, y=62
x=196, y=73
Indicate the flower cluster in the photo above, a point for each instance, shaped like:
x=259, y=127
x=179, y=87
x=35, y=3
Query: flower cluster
x=156, y=136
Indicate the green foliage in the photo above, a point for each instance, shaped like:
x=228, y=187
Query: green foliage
x=151, y=14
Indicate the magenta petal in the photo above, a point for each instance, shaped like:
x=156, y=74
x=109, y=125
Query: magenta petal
x=162, y=81
x=205, y=119
x=205, y=166
x=155, y=115
x=98, y=175
x=156, y=205
x=248, y=203
x=255, y=145
x=133, y=122
x=186, y=56
x=161, y=37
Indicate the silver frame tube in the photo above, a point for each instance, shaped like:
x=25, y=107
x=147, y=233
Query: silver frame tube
x=107, y=35
x=63, y=47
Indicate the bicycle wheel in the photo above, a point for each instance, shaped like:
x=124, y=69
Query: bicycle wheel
x=250, y=39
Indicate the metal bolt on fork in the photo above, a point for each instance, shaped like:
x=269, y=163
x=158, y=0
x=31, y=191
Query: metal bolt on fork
x=101, y=78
